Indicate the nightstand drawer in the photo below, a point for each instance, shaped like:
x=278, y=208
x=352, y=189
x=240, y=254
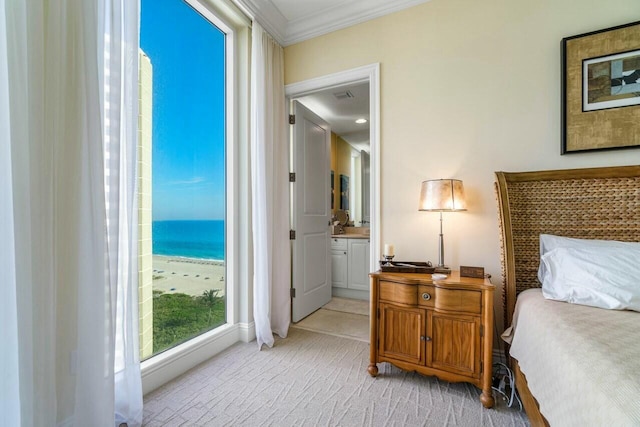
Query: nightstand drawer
x=398, y=292
x=426, y=296
x=340, y=244
x=459, y=300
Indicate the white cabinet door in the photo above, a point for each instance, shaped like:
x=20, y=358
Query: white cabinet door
x=339, y=264
x=339, y=268
x=358, y=264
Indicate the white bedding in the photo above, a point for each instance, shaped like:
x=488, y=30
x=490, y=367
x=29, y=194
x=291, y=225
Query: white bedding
x=582, y=363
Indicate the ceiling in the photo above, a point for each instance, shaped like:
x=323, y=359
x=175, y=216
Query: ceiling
x=341, y=111
x=292, y=21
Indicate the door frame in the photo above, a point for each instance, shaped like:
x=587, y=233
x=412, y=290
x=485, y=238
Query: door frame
x=367, y=73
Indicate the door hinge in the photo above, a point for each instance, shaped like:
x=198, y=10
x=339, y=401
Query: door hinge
x=481, y=366
x=378, y=312
x=293, y=292
x=292, y=234
x=378, y=344
x=292, y=119
x=292, y=177
x=481, y=330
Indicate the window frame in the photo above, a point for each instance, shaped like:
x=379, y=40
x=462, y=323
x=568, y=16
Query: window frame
x=163, y=367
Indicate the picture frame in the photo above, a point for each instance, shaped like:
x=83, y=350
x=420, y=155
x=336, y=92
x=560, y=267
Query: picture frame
x=344, y=192
x=333, y=191
x=600, y=94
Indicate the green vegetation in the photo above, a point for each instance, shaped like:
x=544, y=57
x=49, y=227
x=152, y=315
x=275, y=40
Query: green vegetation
x=179, y=317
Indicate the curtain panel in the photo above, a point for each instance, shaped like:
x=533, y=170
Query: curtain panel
x=68, y=121
x=270, y=189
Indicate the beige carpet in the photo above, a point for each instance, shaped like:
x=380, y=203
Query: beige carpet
x=312, y=379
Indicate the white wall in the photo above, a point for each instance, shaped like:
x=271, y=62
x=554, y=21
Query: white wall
x=467, y=88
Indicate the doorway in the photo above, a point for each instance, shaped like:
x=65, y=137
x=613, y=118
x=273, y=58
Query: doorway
x=364, y=147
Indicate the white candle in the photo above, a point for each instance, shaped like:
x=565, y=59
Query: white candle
x=388, y=250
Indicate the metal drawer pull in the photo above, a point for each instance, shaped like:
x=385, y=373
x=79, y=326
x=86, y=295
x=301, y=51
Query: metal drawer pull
x=426, y=296
x=423, y=338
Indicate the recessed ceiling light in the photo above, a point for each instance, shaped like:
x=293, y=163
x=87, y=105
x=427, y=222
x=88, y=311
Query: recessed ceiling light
x=361, y=121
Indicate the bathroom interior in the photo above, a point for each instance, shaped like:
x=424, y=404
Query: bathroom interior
x=346, y=110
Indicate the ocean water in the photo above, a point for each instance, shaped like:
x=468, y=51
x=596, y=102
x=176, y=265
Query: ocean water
x=189, y=238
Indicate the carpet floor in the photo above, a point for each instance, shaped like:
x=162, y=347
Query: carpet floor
x=313, y=379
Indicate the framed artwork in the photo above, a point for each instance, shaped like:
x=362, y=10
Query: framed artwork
x=344, y=192
x=601, y=90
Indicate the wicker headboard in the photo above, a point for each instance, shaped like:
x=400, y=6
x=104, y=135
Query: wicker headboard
x=596, y=203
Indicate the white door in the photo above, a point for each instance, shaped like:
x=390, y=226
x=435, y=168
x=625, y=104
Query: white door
x=311, y=213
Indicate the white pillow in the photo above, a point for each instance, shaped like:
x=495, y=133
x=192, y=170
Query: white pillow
x=593, y=276
x=550, y=242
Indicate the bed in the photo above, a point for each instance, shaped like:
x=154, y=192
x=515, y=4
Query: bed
x=573, y=364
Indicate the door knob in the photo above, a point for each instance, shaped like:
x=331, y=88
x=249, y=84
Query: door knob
x=423, y=338
x=426, y=296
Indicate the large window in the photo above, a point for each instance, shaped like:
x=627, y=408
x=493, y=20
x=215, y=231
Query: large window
x=182, y=133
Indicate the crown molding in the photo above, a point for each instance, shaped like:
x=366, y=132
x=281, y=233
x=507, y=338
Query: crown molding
x=268, y=16
x=327, y=20
x=341, y=16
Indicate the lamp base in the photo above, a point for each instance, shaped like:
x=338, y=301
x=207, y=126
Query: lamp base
x=443, y=270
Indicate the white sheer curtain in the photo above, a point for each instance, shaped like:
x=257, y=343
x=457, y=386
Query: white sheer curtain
x=9, y=360
x=270, y=189
x=27, y=275
x=68, y=213
x=121, y=32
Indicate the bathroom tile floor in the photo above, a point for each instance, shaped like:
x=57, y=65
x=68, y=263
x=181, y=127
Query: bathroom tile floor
x=341, y=317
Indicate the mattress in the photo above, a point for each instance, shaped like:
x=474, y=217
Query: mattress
x=582, y=363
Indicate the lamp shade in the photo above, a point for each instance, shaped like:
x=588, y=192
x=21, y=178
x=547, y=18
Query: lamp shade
x=442, y=195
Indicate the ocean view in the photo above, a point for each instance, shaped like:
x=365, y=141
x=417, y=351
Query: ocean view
x=189, y=238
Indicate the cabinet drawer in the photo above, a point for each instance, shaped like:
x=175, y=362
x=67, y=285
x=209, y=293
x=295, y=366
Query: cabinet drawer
x=338, y=244
x=458, y=300
x=398, y=292
x=426, y=296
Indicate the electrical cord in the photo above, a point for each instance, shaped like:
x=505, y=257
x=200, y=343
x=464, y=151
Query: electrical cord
x=509, y=382
x=502, y=385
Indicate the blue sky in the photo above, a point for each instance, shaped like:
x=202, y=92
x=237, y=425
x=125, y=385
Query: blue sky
x=187, y=57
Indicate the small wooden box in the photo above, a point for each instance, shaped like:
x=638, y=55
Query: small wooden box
x=476, y=272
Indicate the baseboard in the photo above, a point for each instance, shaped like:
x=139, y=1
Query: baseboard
x=174, y=362
x=247, y=331
x=498, y=356
x=350, y=293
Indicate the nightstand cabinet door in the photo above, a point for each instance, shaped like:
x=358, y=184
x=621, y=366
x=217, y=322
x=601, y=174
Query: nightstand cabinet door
x=402, y=332
x=440, y=327
x=455, y=343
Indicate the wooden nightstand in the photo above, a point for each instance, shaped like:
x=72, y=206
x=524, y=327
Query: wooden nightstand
x=434, y=327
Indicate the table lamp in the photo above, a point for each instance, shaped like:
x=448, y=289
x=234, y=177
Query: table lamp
x=442, y=195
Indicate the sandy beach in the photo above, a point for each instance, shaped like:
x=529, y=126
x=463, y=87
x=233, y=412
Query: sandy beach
x=190, y=276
